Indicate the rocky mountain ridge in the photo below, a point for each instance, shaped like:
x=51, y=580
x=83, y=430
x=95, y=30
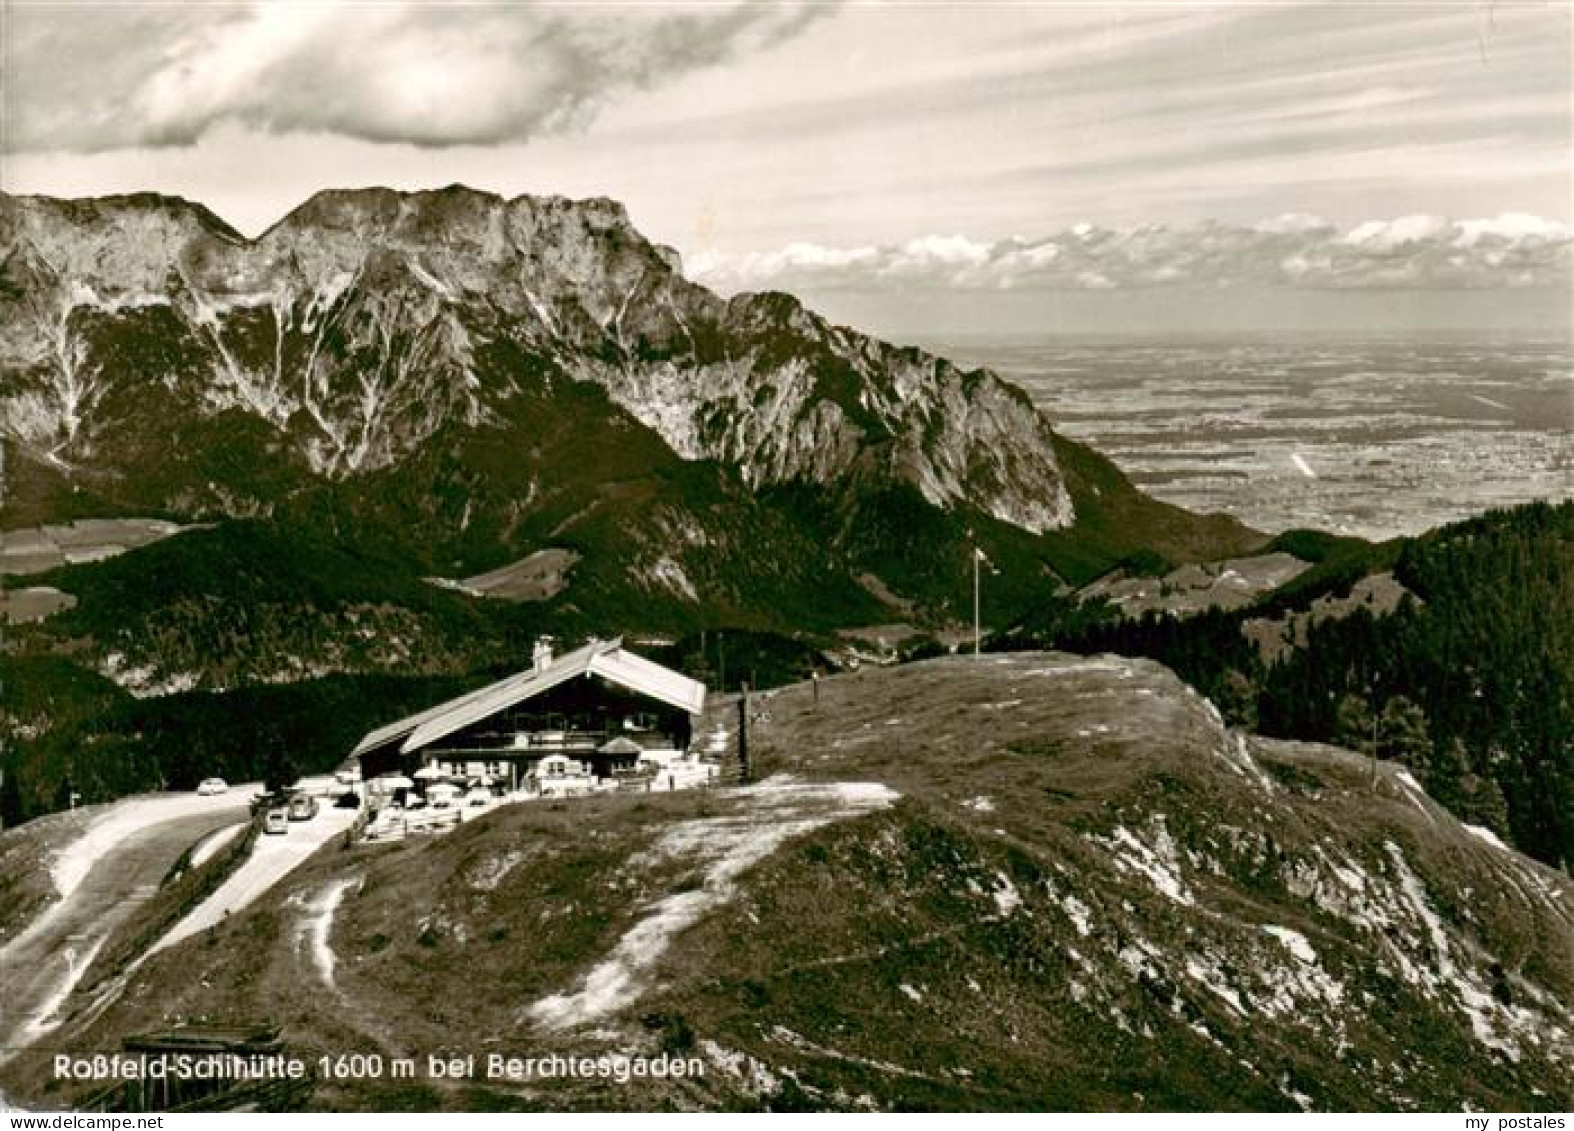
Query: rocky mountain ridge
x=364, y=322
x=386, y=393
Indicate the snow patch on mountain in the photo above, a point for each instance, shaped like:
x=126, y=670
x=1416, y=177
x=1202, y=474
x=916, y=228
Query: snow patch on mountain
x=1157, y=861
x=764, y=818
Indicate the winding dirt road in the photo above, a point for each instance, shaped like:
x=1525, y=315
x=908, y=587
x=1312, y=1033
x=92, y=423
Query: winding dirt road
x=272, y=858
x=102, y=877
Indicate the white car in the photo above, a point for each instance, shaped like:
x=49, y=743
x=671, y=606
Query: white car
x=211, y=786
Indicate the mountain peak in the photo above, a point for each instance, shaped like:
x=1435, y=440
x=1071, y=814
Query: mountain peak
x=367, y=320
x=332, y=208
x=101, y=212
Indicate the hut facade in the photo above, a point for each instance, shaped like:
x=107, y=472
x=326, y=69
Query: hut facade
x=598, y=712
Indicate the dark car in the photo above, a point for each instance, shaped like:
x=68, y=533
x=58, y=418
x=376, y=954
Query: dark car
x=350, y=800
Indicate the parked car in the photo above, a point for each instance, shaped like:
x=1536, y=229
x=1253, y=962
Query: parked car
x=347, y=800
x=277, y=821
x=211, y=786
x=303, y=807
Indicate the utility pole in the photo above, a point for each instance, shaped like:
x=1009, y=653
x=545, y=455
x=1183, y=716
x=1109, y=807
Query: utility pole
x=745, y=771
x=978, y=627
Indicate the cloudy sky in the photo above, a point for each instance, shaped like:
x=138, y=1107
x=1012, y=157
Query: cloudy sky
x=1017, y=167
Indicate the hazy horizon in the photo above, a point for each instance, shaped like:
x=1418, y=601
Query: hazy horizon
x=923, y=308
x=1076, y=168
x=1159, y=315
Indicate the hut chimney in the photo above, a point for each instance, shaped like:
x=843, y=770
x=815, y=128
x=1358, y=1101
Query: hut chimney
x=541, y=658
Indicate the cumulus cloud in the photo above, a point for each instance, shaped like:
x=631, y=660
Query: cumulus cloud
x=1294, y=251
x=95, y=77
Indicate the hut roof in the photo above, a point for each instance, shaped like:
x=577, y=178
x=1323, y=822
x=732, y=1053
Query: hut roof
x=605, y=658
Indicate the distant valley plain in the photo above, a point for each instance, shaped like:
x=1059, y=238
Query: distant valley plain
x=1374, y=438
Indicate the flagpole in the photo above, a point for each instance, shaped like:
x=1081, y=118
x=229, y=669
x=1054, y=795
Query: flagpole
x=977, y=631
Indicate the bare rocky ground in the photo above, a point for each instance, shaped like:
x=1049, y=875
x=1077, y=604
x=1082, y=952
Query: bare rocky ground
x=1023, y=881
